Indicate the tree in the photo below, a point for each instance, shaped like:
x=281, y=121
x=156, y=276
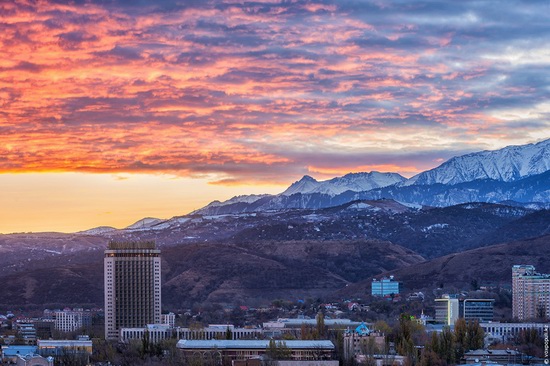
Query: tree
x=228, y=334
x=382, y=327
x=447, y=346
x=321, y=330
x=476, y=336
x=461, y=338
x=530, y=342
x=405, y=344
x=278, y=350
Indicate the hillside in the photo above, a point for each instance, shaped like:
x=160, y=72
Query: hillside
x=251, y=273
x=488, y=265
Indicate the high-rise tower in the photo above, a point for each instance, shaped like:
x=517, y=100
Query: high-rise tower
x=132, y=286
x=530, y=293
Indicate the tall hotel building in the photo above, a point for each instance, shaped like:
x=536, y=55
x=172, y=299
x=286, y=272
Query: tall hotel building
x=132, y=286
x=530, y=293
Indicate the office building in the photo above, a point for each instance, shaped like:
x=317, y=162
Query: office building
x=481, y=310
x=386, y=286
x=450, y=308
x=530, y=293
x=132, y=286
x=447, y=310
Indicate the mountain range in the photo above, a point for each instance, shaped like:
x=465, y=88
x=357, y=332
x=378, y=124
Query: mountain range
x=514, y=173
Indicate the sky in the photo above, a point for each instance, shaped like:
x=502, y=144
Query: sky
x=111, y=111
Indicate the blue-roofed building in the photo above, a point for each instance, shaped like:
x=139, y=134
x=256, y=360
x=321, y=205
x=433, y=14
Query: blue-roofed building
x=362, y=330
x=248, y=349
x=34, y=360
x=11, y=352
x=362, y=340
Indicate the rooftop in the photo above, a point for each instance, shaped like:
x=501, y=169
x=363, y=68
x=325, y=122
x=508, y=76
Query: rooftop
x=251, y=344
x=121, y=245
x=14, y=350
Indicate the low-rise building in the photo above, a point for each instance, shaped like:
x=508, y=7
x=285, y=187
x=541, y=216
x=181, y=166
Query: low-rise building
x=159, y=332
x=294, y=326
x=26, y=331
x=499, y=356
x=80, y=349
x=506, y=332
x=34, y=360
x=10, y=353
x=234, y=350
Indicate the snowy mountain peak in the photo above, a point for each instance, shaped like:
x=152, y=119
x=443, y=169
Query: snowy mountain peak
x=508, y=164
x=356, y=182
x=144, y=223
x=305, y=185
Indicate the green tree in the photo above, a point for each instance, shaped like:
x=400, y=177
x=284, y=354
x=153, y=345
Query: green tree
x=462, y=337
x=405, y=343
x=321, y=329
x=476, y=336
x=447, y=346
x=278, y=350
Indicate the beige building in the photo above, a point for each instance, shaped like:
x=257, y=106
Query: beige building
x=447, y=310
x=530, y=293
x=132, y=286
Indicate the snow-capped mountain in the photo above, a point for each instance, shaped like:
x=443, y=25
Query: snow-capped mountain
x=514, y=173
x=355, y=182
x=507, y=165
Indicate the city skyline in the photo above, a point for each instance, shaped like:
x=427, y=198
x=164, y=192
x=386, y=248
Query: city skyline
x=112, y=112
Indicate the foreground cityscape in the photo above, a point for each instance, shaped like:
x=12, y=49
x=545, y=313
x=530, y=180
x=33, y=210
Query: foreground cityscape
x=461, y=328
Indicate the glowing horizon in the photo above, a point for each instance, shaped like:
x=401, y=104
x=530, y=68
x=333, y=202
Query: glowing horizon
x=247, y=97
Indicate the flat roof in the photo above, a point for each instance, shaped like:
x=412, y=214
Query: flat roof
x=63, y=343
x=250, y=344
x=14, y=350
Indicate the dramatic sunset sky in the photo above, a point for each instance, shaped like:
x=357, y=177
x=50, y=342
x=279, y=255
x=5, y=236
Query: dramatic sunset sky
x=111, y=111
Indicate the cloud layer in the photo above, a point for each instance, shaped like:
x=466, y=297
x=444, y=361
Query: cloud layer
x=266, y=91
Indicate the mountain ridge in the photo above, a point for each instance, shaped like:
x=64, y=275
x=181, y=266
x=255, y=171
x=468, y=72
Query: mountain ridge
x=486, y=176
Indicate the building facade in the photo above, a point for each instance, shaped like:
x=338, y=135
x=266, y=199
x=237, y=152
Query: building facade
x=385, y=286
x=506, y=332
x=530, y=293
x=132, y=286
x=71, y=320
x=236, y=350
x=447, y=310
x=159, y=332
x=481, y=310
